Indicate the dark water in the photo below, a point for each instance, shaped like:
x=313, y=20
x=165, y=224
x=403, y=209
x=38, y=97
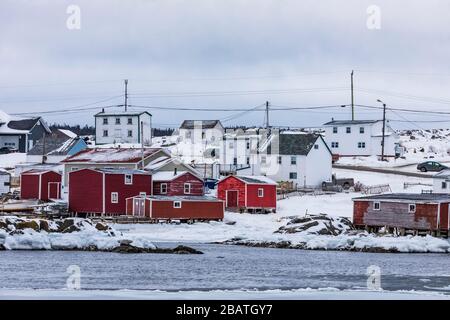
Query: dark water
x=224, y=267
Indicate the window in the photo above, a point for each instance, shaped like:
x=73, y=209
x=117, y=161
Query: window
x=361, y=145
x=130, y=121
x=293, y=160
x=376, y=206
x=316, y=146
x=130, y=133
x=444, y=185
x=348, y=130
x=335, y=129
x=117, y=120
x=263, y=159
x=248, y=161
x=74, y=169
x=412, y=208
x=203, y=135
x=128, y=179
x=248, y=145
x=177, y=204
x=188, y=134
x=335, y=144
x=114, y=197
x=163, y=188
x=235, y=161
x=187, y=188
x=279, y=159
x=231, y=145
x=105, y=120
x=105, y=133
x=260, y=192
x=293, y=175
x=142, y=194
x=361, y=129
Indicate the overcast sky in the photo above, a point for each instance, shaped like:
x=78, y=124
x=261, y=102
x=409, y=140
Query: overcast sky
x=226, y=54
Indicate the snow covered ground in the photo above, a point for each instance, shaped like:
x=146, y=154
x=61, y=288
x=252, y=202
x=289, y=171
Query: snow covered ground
x=12, y=159
x=296, y=294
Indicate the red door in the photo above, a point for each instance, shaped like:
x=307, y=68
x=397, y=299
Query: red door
x=232, y=198
x=53, y=190
x=138, y=209
x=443, y=223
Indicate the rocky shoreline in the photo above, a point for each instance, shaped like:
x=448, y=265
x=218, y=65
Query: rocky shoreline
x=74, y=234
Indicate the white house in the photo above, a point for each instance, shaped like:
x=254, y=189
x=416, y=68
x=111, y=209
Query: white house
x=205, y=131
x=441, y=182
x=123, y=127
x=348, y=138
x=5, y=182
x=301, y=158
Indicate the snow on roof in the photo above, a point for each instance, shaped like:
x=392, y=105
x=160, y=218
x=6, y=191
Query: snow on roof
x=123, y=171
x=121, y=113
x=256, y=179
x=68, y=133
x=111, y=155
x=408, y=196
x=16, y=125
x=205, y=124
x=167, y=175
x=349, y=122
x=182, y=198
x=37, y=171
x=158, y=162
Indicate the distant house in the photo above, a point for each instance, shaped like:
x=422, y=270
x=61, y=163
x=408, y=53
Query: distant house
x=201, y=130
x=349, y=138
x=301, y=158
x=421, y=212
x=104, y=191
x=441, y=182
x=248, y=193
x=21, y=133
x=5, y=182
x=129, y=127
x=56, y=147
x=111, y=158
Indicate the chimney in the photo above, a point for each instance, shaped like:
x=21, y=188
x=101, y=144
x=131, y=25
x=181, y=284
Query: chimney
x=175, y=171
x=103, y=110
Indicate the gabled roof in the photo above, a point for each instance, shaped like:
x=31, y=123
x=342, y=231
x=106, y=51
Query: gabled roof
x=59, y=143
x=161, y=163
x=252, y=179
x=293, y=143
x=205, y=124
x=38, y=172
x=349, y=122
x=121, y=113
x=117, y=171
x=112, y=155
x=431, y=197
x=15, y=125
x=168, y=175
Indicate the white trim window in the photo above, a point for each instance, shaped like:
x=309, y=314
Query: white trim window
x=361, y=145
x=187, y=188
x=412, y=208
x=114, y=197
x=376, y=206
x=105, y=120
x=163, y=188
x=444, y=185
x=293, y=160
x=361, y=129
x=335, y=144
x=128, y=179
x=177, y=204
x=260, y=192
x=143, y=194
x=335, y=129
x=348, y=130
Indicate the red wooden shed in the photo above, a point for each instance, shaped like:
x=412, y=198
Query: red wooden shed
x=176, y=207
x=40, y=184
x=248, y=193
x=177, y=183
x=104, y=191
x=422, y=212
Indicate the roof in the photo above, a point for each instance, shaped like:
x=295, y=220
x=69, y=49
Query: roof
x=182, y=198
x=121, y=113
x=111, y=155
x=120, y=171
x=349, y=122
x=253, y=179
x=58, y=143
x=38, y=172
x=205, y=124
x=431, y=197
x=167, y=175
x=15, y=125
x=160, y=163
x=293, y=143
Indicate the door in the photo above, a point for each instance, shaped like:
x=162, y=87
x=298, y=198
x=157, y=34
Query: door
x=443, y=223
x=232, y=198
x=138, y=207
x=54, y=190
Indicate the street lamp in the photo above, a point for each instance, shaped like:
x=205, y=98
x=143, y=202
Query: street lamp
x=384, y=128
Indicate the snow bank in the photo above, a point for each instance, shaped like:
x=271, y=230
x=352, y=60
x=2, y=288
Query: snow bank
x=68, y=234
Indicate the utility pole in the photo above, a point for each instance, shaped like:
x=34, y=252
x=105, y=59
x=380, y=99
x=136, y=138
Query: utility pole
x=126, y=94
x=384, y=129
x=353, y=101
x=267, y=118
x=142, y=144
x=43, y=148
